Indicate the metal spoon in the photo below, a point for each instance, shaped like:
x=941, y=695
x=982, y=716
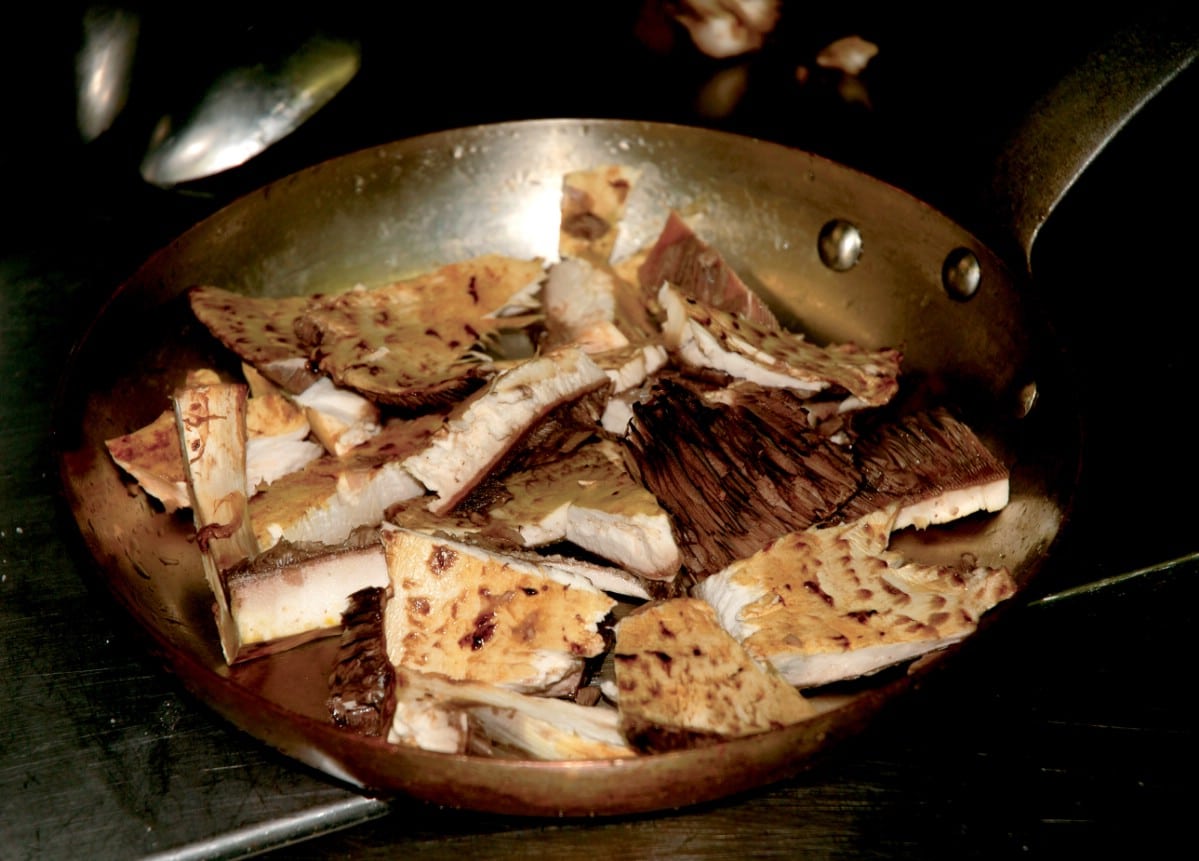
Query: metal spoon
x=248, y=109
x=103, y=68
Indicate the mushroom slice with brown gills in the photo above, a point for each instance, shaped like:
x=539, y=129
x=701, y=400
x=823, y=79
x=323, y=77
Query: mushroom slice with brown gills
x=630, y=370
x=415, y=344
x=592, y=206
x=933, y=464
x=704, y=337
x=468, y=613
x=486, y=428
x=211, y=420
x=328, y=498
x=260, y=330
x=684, y=682
x=589, y=499
x=681, y=258
x=733, y=478
x=362, y=684
x=294, y=593
x=829, y=604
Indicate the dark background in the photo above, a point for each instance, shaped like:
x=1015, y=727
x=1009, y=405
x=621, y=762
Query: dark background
x=1069, y=728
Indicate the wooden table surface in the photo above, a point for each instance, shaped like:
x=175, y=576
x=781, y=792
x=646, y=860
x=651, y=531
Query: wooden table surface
x=1068, y=729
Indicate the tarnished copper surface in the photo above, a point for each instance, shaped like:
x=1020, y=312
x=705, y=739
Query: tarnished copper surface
x=404, y=207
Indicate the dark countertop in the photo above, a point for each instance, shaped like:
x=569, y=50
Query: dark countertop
x=1067, y=728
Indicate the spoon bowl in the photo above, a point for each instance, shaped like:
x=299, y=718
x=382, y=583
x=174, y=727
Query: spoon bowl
x=246, y=110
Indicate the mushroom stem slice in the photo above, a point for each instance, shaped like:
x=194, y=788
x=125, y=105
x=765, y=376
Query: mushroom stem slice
x=211, y=420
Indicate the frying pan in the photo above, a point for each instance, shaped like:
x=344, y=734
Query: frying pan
x=839, y=254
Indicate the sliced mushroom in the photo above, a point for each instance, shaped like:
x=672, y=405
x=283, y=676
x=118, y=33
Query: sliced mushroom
x=415, y=344
x=468, y=613
x=327, y=499
x=211, y=420
x=294, y=593
x=683, y=681
x=704, y=337
x=484, y=429
x=829, y=604
x=590, y=500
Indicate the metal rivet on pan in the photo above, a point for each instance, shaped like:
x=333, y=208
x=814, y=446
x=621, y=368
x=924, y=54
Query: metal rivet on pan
x=840, y=245
x=961, y=273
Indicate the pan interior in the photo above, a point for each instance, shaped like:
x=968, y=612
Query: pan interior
x=402, y=208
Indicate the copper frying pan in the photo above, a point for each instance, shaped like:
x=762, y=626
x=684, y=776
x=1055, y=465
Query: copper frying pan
x=788, y=221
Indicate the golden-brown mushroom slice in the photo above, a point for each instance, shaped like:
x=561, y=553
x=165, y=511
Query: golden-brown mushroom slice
x=589, y=499
x=593, y=204
x=331, y=496
x=704, y=337
x=260, y=330
x=211, y=420
x=468, y=613
x=683, y=681
x=151, y=454
x=276, y=443
x=416, y=343
x=829, y=604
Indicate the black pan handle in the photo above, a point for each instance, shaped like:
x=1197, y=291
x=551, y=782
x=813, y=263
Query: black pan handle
x=1072, y=123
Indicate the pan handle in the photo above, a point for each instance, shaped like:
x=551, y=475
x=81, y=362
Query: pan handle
x=1072, y=123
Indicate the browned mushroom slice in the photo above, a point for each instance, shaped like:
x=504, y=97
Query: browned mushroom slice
x=683, y=681
x=151, y=455
x=415, y=343
x=681, y=258
x=275, y=446
x=211, y=421
x=259, y=330
x=829, y=604
x=593, y=203
x=487, y=427
x=504, y=722
x=499, y=536
x=629, y=369
x=329, y=497
x=704, y=337
x=590, y=500
x=294, y=593
x=468, y=613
